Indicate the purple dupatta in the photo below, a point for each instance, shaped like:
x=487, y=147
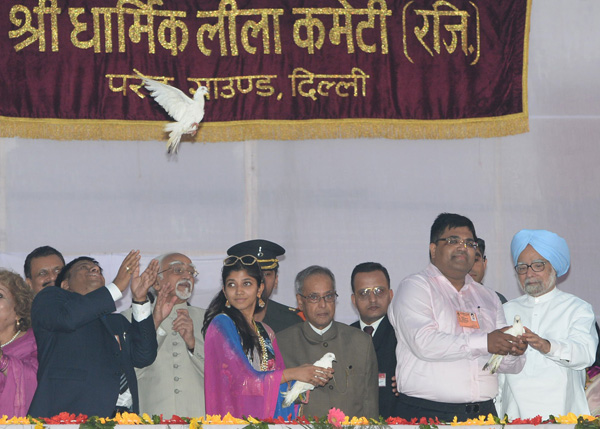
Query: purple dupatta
x=231, y=384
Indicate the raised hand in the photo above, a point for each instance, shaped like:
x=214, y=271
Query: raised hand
x=164, y=303
x=141, y=284
x=128, y=267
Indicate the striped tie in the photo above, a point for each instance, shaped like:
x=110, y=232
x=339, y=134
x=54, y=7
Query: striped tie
x=123, y=386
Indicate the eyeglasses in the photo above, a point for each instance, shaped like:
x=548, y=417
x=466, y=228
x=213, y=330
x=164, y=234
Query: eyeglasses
x=180, y=270
x=536, y=267
x=366, y=293
x=46, y=273
x=454, y=240
x=245, y=260
x=315, y=298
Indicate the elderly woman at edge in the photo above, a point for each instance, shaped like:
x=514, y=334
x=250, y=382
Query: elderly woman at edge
x=18, y=351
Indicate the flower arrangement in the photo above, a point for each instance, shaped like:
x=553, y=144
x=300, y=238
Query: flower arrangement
x=335, y=419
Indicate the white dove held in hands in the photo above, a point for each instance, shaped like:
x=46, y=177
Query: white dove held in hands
x=188, y=112
x=300, y=387
x=517, y=329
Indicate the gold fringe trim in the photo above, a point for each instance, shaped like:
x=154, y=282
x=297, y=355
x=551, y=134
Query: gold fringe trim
x=62, y=129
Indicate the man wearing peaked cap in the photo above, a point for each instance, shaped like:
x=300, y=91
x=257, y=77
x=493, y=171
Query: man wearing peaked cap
x=559, y=328
x=274, y=314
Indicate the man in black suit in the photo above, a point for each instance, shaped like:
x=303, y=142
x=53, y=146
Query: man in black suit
x=371, y=295
x=87, y=353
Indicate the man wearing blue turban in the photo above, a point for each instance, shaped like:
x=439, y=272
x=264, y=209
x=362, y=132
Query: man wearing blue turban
x=559, y=328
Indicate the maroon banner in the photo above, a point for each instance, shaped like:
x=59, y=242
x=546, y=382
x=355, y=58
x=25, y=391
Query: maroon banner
x=273, y=68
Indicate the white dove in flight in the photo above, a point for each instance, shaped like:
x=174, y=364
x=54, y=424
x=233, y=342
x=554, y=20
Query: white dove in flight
x=300, y=387
x=517, y=329
x=188, y=112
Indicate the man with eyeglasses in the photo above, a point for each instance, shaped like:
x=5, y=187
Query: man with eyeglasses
x=353, y=388
x=371, y=295
x=42, y=266
x=274, y=314
x=174, y=383
x=447, y=327
x=559, y=328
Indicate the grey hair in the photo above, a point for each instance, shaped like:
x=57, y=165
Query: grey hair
x=309, y=271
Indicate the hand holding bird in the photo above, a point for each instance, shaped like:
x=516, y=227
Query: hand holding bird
x=187, y=112
x=300, y=386
x=515, y=330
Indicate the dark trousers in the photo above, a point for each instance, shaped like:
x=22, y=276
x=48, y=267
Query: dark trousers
x=410, y=407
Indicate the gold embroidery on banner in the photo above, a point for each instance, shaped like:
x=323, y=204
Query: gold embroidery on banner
x=223, y=87
x=305, y=28
x=36, y=33
x=134, y=87
x=168, y=29
x=456, y=30
x=229, y=11
x=306, y=79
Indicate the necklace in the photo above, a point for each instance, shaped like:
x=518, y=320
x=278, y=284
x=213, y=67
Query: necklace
x=263, y=349
x=10, y=341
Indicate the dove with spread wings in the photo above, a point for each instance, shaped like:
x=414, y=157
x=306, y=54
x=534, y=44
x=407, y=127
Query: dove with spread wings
x=300, y=387
x=187, y=112
x=515, y=330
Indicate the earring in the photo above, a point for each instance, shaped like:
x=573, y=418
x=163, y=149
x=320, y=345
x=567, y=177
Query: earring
x=18, y=323
x=261, y=303
x=227, y=304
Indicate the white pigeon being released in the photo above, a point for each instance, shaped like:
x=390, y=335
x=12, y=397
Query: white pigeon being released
x=517, y=329
x=188, y=112
x=300, y=387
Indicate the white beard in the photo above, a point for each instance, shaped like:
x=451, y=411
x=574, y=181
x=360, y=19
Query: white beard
x=535, y=287
x=186, y=293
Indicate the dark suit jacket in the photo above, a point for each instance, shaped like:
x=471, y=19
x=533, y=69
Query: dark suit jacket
x=385, y=342
x=80, y=360
x=280, y=317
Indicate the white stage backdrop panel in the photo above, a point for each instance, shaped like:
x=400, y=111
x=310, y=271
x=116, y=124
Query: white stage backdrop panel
x=332, y=202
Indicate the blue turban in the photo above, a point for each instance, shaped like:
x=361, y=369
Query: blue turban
x=548, y=244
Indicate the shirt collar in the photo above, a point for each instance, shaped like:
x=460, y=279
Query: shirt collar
x=543, y=298
x=434, y=271
x=321, y=331
x=375, y=325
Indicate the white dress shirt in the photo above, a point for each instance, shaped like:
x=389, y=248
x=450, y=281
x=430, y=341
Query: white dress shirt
x=438, y=359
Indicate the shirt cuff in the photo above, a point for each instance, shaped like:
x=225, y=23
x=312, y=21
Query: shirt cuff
x=115, y=292
x=141, y=311
x=478, y=344
x=160, y=331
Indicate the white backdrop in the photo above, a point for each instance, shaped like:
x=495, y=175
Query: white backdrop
x=333, y=202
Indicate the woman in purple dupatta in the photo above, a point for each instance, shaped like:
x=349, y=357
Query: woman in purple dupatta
x=244, y=373
x=18, y=351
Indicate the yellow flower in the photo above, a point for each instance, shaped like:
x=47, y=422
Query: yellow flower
x=356, y=421
x=196, y=423
x=570, y=418
x=128, y=419
x=146, y=419
x=14, y=420
x=253, y=420
x=213, y=420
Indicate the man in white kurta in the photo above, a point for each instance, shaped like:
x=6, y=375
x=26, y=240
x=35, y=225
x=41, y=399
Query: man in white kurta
x=559, y=329
x=174, y=383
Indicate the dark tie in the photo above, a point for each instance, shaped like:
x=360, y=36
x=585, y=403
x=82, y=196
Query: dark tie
x=369, y=330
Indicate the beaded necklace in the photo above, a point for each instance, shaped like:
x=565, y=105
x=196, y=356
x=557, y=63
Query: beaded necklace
x=264, y=358
x=11, y=340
